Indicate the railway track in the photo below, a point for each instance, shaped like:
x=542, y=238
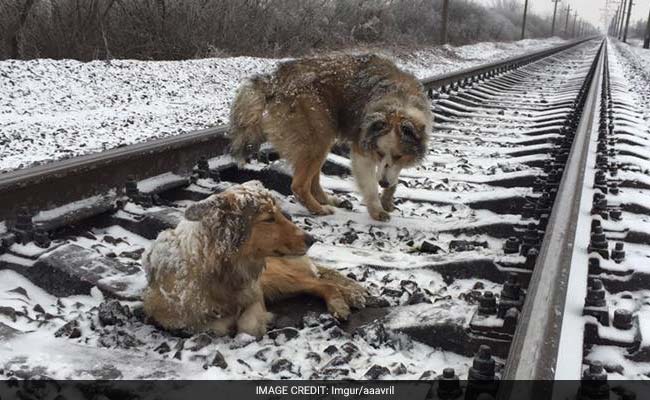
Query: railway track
x=502, y=260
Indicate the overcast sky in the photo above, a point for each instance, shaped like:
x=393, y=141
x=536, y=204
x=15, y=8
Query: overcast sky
x=591, y=10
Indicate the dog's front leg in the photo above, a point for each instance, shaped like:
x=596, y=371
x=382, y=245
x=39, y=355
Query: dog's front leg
x=365, y=172
x=223, y=326
x=387, y=198
x=253, y=320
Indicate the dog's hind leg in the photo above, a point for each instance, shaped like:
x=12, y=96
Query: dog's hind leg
x=287, y=277
x=353, y=293
x=318, y=192
x=327, y=291
x=305, y=169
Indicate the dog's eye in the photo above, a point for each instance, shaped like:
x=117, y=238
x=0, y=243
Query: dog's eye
x=408, y=130
x=269, y=219
x=397, y=157
x=381, y=154
x=377, y=126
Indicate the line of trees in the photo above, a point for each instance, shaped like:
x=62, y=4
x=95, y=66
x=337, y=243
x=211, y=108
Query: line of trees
x=182, y=29
x=637, y=29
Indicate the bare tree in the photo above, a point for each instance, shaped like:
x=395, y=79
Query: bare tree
x=22, y=10
x=181, y=29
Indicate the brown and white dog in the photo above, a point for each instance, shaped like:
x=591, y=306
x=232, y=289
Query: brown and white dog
x=306, y=105
x=233, y=251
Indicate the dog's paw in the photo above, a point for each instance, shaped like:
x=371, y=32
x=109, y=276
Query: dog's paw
x=379, y=215
x=356, y=298
x=223, y=326
x=323, y=210
x=338, y=308
x=387, y=203
x=257, y=330
x=339, y=202
x=355, y=295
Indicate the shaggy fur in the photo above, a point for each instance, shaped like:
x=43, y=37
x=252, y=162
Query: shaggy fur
x=233, y=250
x=306, y=105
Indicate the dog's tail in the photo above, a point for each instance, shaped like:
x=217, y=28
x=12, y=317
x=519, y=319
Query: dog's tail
x=246, y=112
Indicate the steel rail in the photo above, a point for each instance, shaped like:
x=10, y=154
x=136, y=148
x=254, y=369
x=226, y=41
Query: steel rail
x=534, y=351
x=60, y=182
x=440, y=81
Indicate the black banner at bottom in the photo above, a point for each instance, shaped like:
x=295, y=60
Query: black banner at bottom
x=344, y=390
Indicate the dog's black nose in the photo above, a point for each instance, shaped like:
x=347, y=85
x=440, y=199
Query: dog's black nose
x=309, y=240
x=384, y=183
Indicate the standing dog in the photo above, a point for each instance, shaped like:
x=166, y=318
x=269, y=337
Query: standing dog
x=308, y=104
x=235, y=249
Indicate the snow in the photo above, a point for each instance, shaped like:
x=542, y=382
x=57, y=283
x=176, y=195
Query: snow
x=73, y=207
x=630, y=83
x=642, y=55
x=83, y=359
x=613, y=356
x=150, y=185
x=29, y=250
x=439, y=60
x=56, y=109
x=435, y=203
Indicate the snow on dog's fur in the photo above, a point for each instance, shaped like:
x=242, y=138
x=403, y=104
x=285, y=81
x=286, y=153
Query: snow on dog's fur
x=308, y=104
x=208, y=274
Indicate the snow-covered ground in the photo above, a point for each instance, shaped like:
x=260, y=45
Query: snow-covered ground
x=633, y=62
x=56, y=109
x=642, y=55
x=463, y=203
x=629, y=68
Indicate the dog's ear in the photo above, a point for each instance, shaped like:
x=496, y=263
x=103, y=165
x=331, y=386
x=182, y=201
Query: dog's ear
x=200, y=209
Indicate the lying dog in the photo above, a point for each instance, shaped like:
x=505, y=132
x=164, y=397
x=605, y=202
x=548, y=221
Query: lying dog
x=306, y=105
x=235, y=250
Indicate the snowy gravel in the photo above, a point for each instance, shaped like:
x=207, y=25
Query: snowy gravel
x=623, y=353
x=636, y=49
x=57, y=109
x=442, y=250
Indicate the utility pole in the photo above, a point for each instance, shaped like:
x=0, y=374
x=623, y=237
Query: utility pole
x=566, y=23
x=646, y=40
x=575, y=19
x=619, y=34
x=616, y=18
x=627, y=22
x=445, y=20
x=523, y=25
x=554, y=14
